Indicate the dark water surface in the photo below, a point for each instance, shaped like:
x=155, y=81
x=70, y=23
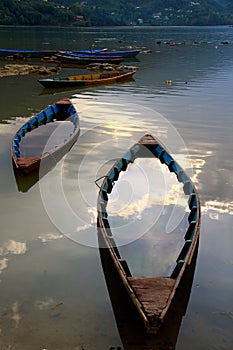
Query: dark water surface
x=52, y=286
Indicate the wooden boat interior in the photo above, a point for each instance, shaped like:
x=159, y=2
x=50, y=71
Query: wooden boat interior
x=96, y=76
x=131, y=329
x=152, y=296
x=59, y=111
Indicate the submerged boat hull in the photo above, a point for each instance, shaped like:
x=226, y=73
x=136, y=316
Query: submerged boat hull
x=152, y=296
x=131, y=329
x=62, y=110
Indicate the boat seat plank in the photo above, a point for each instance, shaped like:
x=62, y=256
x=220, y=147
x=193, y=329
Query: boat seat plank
x=153, y=293
x=95, y=76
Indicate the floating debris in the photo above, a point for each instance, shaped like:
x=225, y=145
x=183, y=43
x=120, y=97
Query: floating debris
x=57, y=305
x=50, y=59
x=110, y=67
x=15, y=314
x=3, y=264
x=25, y=69
x=45, y=304
x=146, y=51
x=224, y=313
x=101, y=66
x=128, y=68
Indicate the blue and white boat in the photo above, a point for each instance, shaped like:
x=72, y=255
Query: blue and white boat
x=27, y=156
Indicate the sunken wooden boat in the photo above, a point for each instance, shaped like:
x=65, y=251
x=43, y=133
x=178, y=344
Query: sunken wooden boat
x=50, y=132
x=87, y=59
x=152, y=296
x=86, y=79
x=133, y=334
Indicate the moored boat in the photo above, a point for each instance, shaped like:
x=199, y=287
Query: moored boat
x=120, y=53
x=88, y=51
x=17, y=53
x=88, y=59
x=45, y=136
x=86, y=79
x=21, y=53
x=152, y=297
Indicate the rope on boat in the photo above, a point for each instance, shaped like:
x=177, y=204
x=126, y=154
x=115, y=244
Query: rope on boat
x=100, y=178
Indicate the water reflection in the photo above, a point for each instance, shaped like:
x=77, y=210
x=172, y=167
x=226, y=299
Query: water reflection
x=44, y=141
x=16, y=317
x=8, y=248
x=147, y=208
x=47, y=237
x=53, y=271
x=26, y=182
x=13, y=247
x=217, y=207
x=3, y=264
x=90, y=159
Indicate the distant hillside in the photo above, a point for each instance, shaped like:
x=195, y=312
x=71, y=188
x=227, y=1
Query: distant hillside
x=160, y=12
x=115, y=12
x=224, y=2
x=229, y=7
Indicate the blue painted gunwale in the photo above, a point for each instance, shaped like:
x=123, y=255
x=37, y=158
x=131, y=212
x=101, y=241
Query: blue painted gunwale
x=191, y=236
x=24, y=53
x=85, y=60
x=61, y=110
x=103, y=54
x=42, y=53
x=88, y=51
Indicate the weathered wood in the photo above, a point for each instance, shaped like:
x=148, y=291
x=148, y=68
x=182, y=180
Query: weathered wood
x=147, y=139
x=61, y=112
x=152, y=296
x=26, y=161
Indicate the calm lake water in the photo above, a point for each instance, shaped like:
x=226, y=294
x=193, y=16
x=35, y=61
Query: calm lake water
x=52, y=286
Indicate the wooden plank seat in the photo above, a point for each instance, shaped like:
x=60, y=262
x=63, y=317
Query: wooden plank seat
x=85, y=77
x=95, y=76
x=76, y=77
x=153, y=294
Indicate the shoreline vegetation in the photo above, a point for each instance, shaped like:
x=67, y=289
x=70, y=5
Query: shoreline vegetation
x=99, y=13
